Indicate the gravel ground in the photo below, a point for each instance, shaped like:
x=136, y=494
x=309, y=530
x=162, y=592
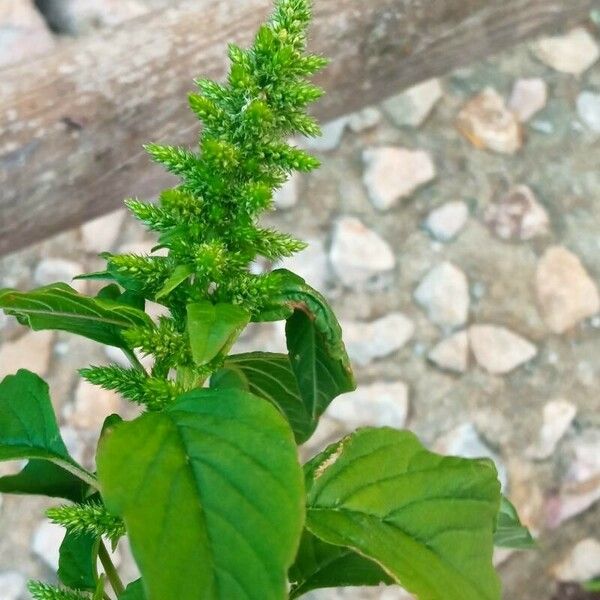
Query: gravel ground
x=456, y=230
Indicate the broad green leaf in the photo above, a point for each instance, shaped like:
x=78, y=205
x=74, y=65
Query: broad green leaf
x=134, y=591
x=317, y=353
x=320, y=565
x=77, y=561
x=180, y=274
x=427, y=520
x=268, y=376
x=60, y=307
x=322, y=371
x=42, y=478
x=212, y=328
x=28, y=427
x=211, y=493
x=510, y=532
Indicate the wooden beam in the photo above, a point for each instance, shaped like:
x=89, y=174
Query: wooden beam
x=72, y=123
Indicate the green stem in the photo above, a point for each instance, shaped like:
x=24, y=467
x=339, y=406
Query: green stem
x=76, y=470
x=134, y=360
x=110, y=570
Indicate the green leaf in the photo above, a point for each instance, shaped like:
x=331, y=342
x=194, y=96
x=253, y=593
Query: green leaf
x=60, y=307
x=510, y=532
x=28, y=427
x=427, y=520
x=592, y=586
x=43, y=478
x=77, y=561
x=211, y=493
x=212, y=328
x=134, y=591
x=317, y=353
x=180, y=274
x=268, y=376
x=320, y=565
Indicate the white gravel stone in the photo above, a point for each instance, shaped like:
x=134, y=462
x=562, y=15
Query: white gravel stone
x=358, y=253
x=574, y=52
x=452, y=353
x=412, y=107
x=446, y=222
x=498, y=350
x=487, y=123
x=465, y=441
x=364, y=119
x=312, y=264
x=75, y=443
x=588, y=109
x=53, y=270
x=32, y=351
x=330, y=139
x=79, y=17
x=580, y=487
x=393, y=173
x=566, y=294
x=23, y=32
x=444, y=295
x=287, y=196
x=100, y=234
x=557, y=418
x=528, y=97
x=92, y=405
x=517, y=215
x=376, y=405
x=581, y=564
x=46, y=542
x=13, y=585
x=366, y=342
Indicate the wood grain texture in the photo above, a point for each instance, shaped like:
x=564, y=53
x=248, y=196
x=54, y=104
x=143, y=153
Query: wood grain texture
x=72, y=123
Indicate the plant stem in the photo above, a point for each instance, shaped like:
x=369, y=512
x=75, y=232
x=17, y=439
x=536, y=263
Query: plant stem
x=110, y=570
x=134, y=360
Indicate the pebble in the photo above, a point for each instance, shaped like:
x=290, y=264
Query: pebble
x=92, y=405
x=330, y=138
x=312, y=264
x=358, y=253
x=498, y=350
x=364, y=119
x=444, y=294
x=286, y=196
x=566, y=294
x=488, y=124
x=393, y=173
x=581, y=564
x=517, y=215
x=452, y=353
x=573, y=53
x=446, y=222
x=32, y=351
x=13, y=585
x=580, y=488
x=465, y=441
x=53, y=270
x=46, y=542
x=366, y=342
x=23, y=32
x=528, y=97
x=375, y=405
x=558, y=415
x=588, y=109
x=100, y=234
x=79, y=17
x=412, y=107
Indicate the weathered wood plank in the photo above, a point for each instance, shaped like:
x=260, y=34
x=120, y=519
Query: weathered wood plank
x=72, y=123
